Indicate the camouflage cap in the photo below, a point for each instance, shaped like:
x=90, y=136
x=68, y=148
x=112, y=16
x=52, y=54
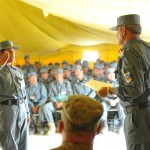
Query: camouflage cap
x=98, y=66
x=66, y=68
x=52, y=67
x=81, y=110
x=109, y=71
x=43, y=70
x=78, y=62
x=77, y=67
x=113, y=65
x=65, y=62
x=57, y=63
x=85, y=63
x=32, y=74
x=57, y=71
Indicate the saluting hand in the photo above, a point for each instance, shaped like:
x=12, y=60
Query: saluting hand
x=4, y=58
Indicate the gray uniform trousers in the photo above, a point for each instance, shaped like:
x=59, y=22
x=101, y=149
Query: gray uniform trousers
x=137, y=129
x=13, y=127
x=107, y=107
x=48, y=110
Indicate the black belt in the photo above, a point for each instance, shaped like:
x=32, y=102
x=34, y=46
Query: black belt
x=132, y=108
x=12, y=102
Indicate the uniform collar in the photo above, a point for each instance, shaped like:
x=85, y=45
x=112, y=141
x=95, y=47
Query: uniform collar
x=128, y=43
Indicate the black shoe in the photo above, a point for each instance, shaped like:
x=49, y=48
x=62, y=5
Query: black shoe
x=32, y=131
x=41, y=131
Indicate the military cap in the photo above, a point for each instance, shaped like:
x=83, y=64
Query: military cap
x=32, y=74
x=109, y=71
x=113, y=65
x=57, y=71
x=57, y=63
x=98, y=60
x=85, y=63
x=77, y=67
x=7, y=44
x=82, y=110
x=52, y=67
x=26, y=56
x=78, y=62
x=98, y=66
x=65, y=62
x=50, y=64
x=66, y=68
x=130, y=19
x=43, y=69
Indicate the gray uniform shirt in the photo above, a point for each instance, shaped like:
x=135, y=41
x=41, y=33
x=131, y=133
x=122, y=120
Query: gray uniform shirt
x=36, y=94
x=133, y=73
x=59, y=91
x=12, y=85
x=80, y=88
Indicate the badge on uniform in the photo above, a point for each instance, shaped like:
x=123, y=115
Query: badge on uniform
x=128, y=77
x=32, y=98
x=121, y=53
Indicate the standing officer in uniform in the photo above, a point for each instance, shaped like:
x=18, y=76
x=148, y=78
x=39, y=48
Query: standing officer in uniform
x=133, y=73
x=80, y=123
x=14, y=112
x=27, y=66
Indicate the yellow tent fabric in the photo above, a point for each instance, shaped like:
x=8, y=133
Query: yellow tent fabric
x=44, y=27
x=28, y=27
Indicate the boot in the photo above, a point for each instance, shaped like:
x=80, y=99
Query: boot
x=42, y=128
x=51, y=129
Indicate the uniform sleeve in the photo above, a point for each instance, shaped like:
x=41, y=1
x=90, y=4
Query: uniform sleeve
x=27, y=106
x=51, y=93
x=69, y=89
x=132, y=73
x=92, y=93
x=74, y=88
x=43, y=95
x=30, y=104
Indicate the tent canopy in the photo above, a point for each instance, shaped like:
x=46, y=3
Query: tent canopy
x=46, y=26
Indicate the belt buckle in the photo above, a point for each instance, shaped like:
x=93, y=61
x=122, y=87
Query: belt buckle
x=9, y=102
x=20, y=101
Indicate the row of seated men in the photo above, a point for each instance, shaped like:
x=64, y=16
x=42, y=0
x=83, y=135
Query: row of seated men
x=46, y=92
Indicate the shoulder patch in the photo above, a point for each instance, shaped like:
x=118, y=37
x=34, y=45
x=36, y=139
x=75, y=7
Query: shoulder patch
x=128, y=77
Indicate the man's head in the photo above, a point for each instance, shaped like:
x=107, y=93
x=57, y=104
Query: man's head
x=98, y=70
x=78, y=72
x=67, y=71
x=128, y=27
x=26, y=58
x=65, y=63
x=110, y=75
x=44, y=73
x=32, y=76
x=85, y=66
x=81, y=114
x=59, y=75
x=8, y=46
x=37, y=64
